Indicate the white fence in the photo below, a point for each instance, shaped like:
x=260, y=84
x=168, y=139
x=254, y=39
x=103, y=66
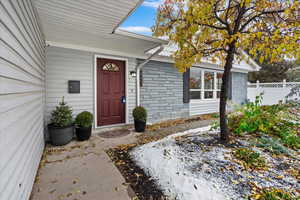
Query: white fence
x=272, y=92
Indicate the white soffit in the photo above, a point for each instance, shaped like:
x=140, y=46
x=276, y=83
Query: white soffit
x=91, y=23
x=97, y=16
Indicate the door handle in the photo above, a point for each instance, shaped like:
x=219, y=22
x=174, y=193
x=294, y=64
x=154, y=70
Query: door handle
x=123, y=99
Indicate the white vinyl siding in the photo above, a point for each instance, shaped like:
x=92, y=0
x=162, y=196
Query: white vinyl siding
x=64, y=65
x=204, y=107
x=22, y=98
x=67, y=64
x=131, y=84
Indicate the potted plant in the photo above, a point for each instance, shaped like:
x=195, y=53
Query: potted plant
x=61, y=127
x=84, y=121
x=140, y=118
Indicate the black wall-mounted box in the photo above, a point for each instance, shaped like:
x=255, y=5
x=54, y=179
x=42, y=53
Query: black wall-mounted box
x=74, y=86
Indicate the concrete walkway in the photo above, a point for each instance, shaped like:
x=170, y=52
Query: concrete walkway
x=82, y=171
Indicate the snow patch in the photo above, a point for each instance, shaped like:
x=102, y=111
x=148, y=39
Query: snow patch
x=166, y=163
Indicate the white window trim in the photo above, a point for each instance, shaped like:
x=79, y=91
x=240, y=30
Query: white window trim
x=202, y=90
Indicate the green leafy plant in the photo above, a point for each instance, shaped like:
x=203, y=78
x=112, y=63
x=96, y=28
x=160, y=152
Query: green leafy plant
x=274, y=194
x=294, y=103
x=215, y=125
x=274, y=121
x=290, y=139
x=62, y=115
x=140, y=113
x=250, y=158
x=215, y=115
x=247, y=119
x=84, y=119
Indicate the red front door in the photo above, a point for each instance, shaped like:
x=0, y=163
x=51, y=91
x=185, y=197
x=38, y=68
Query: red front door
x=110, y=92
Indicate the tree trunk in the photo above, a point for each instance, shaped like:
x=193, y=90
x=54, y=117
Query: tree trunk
x=224, y=94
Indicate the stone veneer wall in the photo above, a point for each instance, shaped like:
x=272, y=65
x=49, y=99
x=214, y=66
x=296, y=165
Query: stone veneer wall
x=162, y=92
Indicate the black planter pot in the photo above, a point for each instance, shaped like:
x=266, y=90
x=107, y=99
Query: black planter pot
x=139, y=125
x=60, y=136
x=83, y=133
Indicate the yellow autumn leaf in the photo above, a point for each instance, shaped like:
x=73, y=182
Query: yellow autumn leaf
x=257, y=196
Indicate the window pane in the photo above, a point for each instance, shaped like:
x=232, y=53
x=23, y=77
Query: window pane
x=218, y=94
x=195, y=78
x=219, y=80
x=195, y=95
x=209, y=80
x=208, y=94
x=110, y=67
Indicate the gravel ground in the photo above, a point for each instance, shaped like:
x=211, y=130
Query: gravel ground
x=163, y=132
x=195, y=162
x=215, y=165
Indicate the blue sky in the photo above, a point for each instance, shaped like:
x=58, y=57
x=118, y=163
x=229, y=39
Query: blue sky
x=143, y=18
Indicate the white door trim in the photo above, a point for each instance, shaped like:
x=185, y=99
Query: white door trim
x=95, y=86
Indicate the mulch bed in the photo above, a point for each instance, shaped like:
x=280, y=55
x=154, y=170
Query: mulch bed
x=143, y=185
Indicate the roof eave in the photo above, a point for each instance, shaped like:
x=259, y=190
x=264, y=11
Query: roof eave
x=252, y=62
x=139, y=36
x=129, y=13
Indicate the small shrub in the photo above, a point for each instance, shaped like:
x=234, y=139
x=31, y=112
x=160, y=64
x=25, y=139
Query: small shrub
x=272, y=145
x=250, y=158
x=84, y=119
x=247, y=119
x=294, y=103
x=62, y=115
x=290, y=139
x=274, y=121
x=234, y=120
x=274, y=194
x=215, y=115
x=215, y=125
x=254, y=118
x=140, y=113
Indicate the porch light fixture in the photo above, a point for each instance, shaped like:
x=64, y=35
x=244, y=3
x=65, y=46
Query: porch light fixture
x=132, y=73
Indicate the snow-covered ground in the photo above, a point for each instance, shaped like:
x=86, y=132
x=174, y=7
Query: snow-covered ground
x=196, y=170
x=164, y=161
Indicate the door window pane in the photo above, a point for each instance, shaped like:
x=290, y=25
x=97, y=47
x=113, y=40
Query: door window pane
x=195, y=78
x=112, y=67
x=209, y=80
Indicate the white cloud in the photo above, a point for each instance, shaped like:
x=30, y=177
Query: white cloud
x=137, y=29
x=152, y=3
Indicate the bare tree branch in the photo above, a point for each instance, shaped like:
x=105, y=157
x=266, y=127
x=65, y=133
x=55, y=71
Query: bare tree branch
x=219, y=19
x=258, y=15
